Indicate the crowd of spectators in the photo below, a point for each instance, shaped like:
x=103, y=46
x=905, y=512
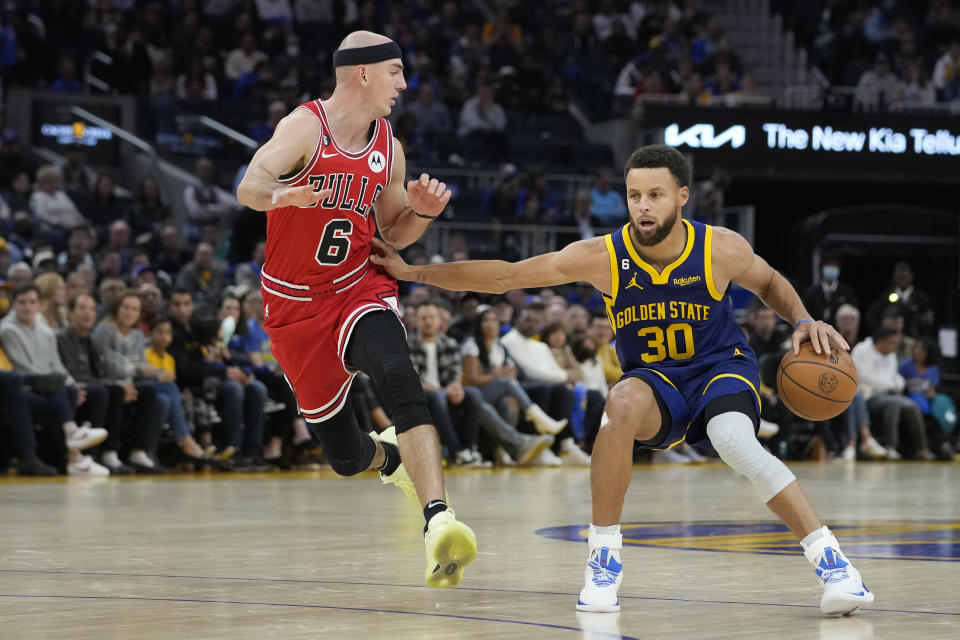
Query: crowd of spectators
x=895, y=52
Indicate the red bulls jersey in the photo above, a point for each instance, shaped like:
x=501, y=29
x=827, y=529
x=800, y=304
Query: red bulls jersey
x=324, y=248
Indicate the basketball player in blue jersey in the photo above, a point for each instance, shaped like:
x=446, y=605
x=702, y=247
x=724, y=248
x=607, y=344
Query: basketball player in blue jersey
x=689, y=374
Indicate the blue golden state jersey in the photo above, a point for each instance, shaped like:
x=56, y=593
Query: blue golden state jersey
x=673, y=321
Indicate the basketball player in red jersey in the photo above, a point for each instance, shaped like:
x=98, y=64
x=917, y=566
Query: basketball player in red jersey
x=331, y=176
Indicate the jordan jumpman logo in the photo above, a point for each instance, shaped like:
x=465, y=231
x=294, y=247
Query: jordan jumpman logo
x=633, y=283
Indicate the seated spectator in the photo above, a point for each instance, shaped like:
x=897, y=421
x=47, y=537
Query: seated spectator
x=105, y=206
x=247, y=274
x=917, y=89
x=66, y=80
x=164, y=370
x=244, y=58
x=196, y=84
x=823, y=299
x=432, y=116
x=172, y=254
x=607, y=206
x=602, y=334
x=877, y=86
x=287, y=424
x=764, y=337
x=922, y=375
x=53, y=299
x=543, y=379
x=204, y=275
x=484, y=122
x=79, y=243
x=881, y=386
x=18, y=404
x=51, y=206
x=150, y=211
x=122, y=345
x=462, y=325
x=87, y=364
x=44, y=261
x=847, y=323
x=203, y=202
x=240, y=398
x=893, y=318
x=487, y=368
x=946, y=73
x=31, y=346
x=454, y=409
x=78, y=176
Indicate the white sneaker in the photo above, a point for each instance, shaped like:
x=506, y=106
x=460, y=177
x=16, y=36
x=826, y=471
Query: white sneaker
x=502, y=458
x=843, y=589
x=893, y=454
x=85, y=467
x=872, y=449
x=138, y=457
x=451, y=546
x=542, y=422
x=767, y=429
x=547, y=458
x=85, y=436
x=670, y=456
x=572, y=455
x=603, y=574
x=272, y=406
x=849, y=453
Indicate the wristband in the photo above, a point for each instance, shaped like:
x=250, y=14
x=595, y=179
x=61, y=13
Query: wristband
x=420, y=215
x=800, y=322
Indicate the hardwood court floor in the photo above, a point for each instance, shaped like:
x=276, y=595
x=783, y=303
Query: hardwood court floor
x=314, y=556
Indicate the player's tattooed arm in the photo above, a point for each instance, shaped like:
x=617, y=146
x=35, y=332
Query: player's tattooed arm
x=283, y=154
x=581, y=260
x=403, y=214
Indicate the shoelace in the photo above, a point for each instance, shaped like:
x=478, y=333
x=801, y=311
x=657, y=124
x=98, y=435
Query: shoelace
x=602, y=576
x=834, y=575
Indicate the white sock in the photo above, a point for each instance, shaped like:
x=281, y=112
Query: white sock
x=606, y=531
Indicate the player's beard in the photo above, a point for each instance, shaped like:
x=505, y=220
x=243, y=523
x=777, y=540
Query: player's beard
x=661, y=232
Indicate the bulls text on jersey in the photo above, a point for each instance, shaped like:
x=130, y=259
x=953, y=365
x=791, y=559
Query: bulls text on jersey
x=346, y=195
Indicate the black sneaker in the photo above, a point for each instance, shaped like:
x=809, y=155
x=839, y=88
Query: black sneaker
x=34, y=466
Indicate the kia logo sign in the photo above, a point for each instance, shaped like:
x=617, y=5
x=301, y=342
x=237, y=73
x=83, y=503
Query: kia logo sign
x=704, y=136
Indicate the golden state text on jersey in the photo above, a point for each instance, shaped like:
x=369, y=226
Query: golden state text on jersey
x=674, y=317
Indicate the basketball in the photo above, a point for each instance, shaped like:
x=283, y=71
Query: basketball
x=817, y=386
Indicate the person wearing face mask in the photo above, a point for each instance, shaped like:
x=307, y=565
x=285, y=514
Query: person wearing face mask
x=825, y=297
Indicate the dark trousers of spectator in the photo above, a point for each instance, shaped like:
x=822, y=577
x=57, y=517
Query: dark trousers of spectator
x=557, y=400
x=147, y=423
x=889, y=412
x=21, y=408
x=241, y=409
x=456, y=423
x=95, y=407
x=280, y=423
x=48, y=412
x=594, y=413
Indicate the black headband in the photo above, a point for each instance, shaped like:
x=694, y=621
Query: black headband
x=366, y=55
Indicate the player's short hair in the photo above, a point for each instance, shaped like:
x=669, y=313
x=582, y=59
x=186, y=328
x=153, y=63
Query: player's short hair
x=655, y=156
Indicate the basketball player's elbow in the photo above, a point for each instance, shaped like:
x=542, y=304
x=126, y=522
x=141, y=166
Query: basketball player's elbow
x=396, y=239
x=247, y=197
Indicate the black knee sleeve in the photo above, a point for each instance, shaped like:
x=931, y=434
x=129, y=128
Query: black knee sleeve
x=378, y=347
x=744, y=402
x=348, y=449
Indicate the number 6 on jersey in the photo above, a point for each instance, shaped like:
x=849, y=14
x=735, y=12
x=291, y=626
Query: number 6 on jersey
x=335, y=242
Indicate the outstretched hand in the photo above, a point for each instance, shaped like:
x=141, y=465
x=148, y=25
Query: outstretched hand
x=388, y=258
x=427, y=195
x=298, y=196
x=820, y=335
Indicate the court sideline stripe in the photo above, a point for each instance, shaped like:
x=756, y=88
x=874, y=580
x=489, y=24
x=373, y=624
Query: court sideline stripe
x=319, y=606
x=460, y=588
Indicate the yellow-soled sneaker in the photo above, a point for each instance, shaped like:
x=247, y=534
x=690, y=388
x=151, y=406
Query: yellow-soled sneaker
x=451, y=546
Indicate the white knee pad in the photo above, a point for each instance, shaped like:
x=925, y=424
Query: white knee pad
x=732, y=436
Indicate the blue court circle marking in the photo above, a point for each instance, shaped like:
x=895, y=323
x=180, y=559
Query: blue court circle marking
x=923, y=540
x=454, y=616
x=420, y=586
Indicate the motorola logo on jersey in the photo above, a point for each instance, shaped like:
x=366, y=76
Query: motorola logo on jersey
x=376, y=162
x=704, y=136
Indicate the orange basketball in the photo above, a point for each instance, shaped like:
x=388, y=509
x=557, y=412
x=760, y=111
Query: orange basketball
x=817, y=386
